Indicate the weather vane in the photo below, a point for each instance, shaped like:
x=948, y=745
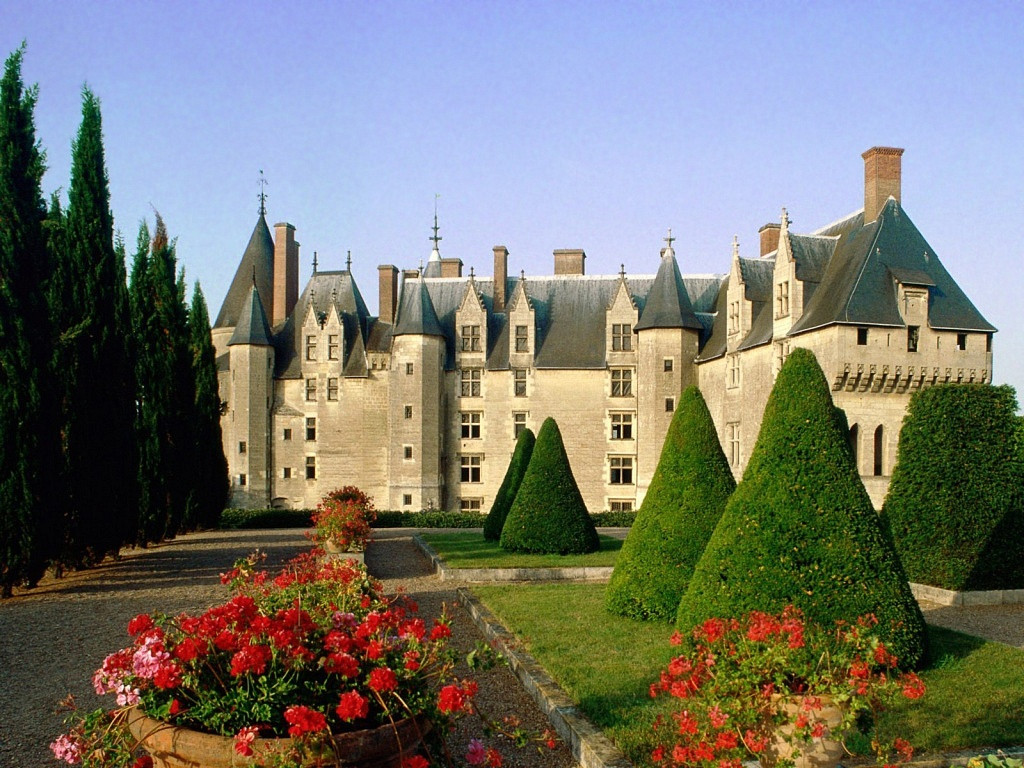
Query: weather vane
x=436, y=237
x=263, y=194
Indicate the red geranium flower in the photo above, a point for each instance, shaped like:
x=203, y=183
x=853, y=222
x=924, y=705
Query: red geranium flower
x=383, y=680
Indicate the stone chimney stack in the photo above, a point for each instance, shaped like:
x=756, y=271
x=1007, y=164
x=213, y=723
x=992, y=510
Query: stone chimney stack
x=451, y=267
x=569, y=261
x=387, y=292
x=769, y=237
x=500, y=277
x=286, y=273
x=882, y=172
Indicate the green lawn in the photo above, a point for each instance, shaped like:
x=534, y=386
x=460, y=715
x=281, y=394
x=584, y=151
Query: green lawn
x=606, y=663
x=471, y=550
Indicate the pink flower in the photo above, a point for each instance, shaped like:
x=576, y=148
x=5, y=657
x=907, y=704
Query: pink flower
x=476, y=754
x=244, y=739
x=66, y=748
x=416, y=761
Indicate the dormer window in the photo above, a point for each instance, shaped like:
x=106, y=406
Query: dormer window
x=332, y=346
x=734, y=317
x=471, y=338
x=311, y=347
x=622, y=337
x=782, y=298
x=522, y=339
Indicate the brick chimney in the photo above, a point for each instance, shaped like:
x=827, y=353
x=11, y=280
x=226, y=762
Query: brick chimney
x=882, y=171
x=500, y=276
x=569, y=261
x=387, y=275
x=451, y=267
x=286, y=273
x=769, y=237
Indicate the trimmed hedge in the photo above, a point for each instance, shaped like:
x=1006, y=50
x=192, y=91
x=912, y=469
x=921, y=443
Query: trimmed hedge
x=233, y=518
x=800, y=527
x=429, y=518
x=509, y=486
x=955, y=504
x=623, y=518
x=686, y=498
x=548, y=514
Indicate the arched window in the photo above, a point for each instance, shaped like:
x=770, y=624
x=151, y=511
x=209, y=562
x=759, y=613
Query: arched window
x=879, y=439
x=855, y=445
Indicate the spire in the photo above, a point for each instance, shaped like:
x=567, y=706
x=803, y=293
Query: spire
x=252, y=325
x=433, y=268
x=263, y=194
x=735, y=246
x=348, y=263
x=785, y=221
x=668, y=304
x=258, y=260
x=314, y=262
x=668, y=250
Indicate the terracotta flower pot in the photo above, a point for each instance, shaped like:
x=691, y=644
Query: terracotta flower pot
x=825, y=752
x=171, y=746
x=332, y=550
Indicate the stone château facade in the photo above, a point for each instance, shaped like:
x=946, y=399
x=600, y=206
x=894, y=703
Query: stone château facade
x=420, y=406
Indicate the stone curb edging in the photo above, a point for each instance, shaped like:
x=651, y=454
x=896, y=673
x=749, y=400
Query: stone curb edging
x=589, y=746
x=485, y=575
x=967, y=598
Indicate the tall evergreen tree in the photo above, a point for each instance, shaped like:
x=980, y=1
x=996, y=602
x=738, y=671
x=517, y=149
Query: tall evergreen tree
x=510, y=485
x=95, y=362
x=687, y=495
x=29, y=530
x=210, y=473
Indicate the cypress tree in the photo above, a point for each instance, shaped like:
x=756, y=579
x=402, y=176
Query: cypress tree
x=548, y=514
x=800, y=528
x=210, y=465
x=29, y=523
x=686, y=498
x=509, y=486
x=99, y=385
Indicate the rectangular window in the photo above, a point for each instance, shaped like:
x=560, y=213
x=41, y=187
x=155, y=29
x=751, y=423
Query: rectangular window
x=782, y=298
x=241, y=446
x=310, y=390
x=471, y=505
x=470, y=382
x=519, y=376
x=522, y=339
x=286, y=435
x=287, y=473
x=332, y=388
x=622, y=426
x=408, y=411
x=470, y=423
x=408, y=372
x=518, y=424
x=311, y=467
x=241, y=479
x=622, y=382
x=961, y=341
x=621, y=470
x=670, y=404
x=622, y=337
x=620, y=505
x=668, y=365
x=332, y=346
x=862, y=337
x=734, y=317
x=311, y=347
x=311, y=428
x=471, y=338
x=913, y=336
x=733, y=435
x=733, y=372
x=406, y=499
x=469, y=469
x=407, y=451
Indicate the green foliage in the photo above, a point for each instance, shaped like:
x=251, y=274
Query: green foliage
x=427, y=518
x=956, y=501
x=509, y=486
x=548, y=514
x=619, y=519
x=800, y=527
x=685, y=500
x=251, y=519
x=29, y=452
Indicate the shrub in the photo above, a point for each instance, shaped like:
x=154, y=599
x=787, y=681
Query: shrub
x=685, y=500
x=233, y=518
x=548, y=514
x=955, y=503
x=800, y=527
x=342, y=520
x=509, y=486
x=620, y=518
x=428, y=518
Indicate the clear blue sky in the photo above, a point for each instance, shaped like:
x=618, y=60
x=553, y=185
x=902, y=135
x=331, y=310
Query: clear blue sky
x=543, y=125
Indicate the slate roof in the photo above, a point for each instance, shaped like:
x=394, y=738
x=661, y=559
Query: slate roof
x=257, y=261
x=416, y=313
x=757, y=278
x=668, y=305
x=716, y=343
x=858, y=285
x=252, y=326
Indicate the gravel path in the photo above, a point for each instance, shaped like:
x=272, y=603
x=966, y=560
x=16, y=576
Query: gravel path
x=52, y=638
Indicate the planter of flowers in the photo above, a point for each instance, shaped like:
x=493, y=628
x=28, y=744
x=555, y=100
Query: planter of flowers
x=313, y=666
x=779, y=690
x=342, y=523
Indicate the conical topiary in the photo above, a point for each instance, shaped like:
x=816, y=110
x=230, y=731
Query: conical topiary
x=956, y=501
x=548, y=514
x=800, y=528
x=687, y=495
x=509, y=486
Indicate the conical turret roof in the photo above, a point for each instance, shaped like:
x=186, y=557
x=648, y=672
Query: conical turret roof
x=257, y=265
x=252, y=327
x=417, y=314
x=668, y=305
